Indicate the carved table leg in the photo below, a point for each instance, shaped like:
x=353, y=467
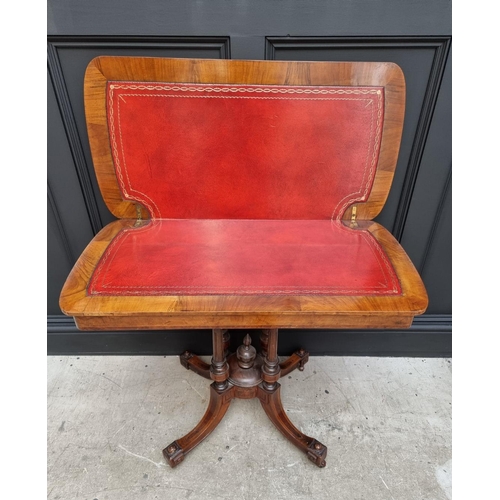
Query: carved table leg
x=269, y=395
x=175, y=452
x=221, y=394
x=271, y=402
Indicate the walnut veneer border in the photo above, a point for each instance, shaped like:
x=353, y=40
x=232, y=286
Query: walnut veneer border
x=150, y=69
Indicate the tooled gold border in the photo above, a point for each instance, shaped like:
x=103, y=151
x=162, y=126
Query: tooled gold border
x=345, y=201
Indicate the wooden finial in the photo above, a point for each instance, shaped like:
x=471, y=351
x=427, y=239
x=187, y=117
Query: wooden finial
x=246, y=353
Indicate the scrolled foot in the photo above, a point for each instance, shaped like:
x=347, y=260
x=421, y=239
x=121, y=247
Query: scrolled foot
x=297, y=360
x=304, y=358
x=317, y=453
x=173, y=454
x=184, y=359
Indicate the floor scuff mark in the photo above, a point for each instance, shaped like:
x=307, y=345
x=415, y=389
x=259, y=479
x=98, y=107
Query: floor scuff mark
x=158, y=464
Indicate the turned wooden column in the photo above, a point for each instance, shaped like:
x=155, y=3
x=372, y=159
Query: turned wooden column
x=264, y=341
x=271, y=366
x=226, y=336
x=219, y=370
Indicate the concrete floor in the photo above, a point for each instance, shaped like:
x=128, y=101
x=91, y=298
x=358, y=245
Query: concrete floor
x=386, y=422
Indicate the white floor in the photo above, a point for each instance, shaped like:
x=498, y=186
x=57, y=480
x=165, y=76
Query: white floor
x=386, y=422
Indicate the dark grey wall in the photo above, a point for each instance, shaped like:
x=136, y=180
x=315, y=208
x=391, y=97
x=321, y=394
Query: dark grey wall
x=415, y=35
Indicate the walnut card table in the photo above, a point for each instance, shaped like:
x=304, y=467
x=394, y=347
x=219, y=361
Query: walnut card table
x=245, y=193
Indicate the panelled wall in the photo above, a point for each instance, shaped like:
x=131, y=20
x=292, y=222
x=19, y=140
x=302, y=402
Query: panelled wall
x=418, y=211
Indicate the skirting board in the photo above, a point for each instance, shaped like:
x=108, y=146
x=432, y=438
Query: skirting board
x=429, y=336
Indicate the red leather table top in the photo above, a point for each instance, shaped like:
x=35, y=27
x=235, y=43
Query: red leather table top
x=243, y=257
x=244, y=151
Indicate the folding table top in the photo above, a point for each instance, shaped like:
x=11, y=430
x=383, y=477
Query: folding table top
x=245, y=191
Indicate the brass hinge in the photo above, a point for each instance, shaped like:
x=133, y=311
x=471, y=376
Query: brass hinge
x=138, y=222
x=353, y=216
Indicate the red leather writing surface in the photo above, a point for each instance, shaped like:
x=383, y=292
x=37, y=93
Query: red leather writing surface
x=244, y=257
x=244, y=151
